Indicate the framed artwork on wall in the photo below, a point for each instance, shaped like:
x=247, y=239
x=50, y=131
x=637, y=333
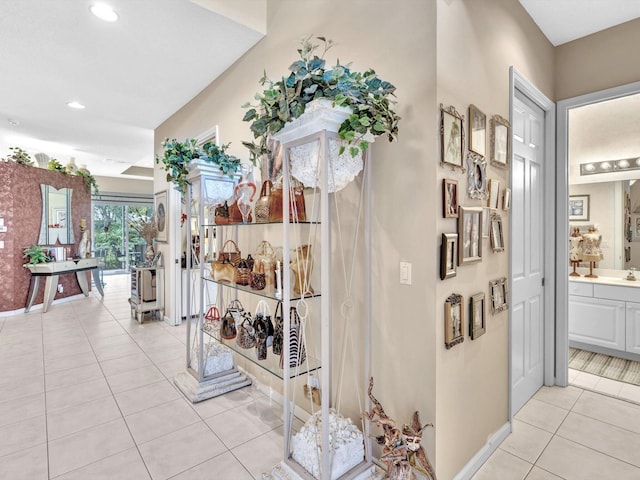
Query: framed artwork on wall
x=448, y=255
x=453, y=321
x=579, y=208
x=469, y=235
x=477, y=131
x=477, y=176
x=498, y=292
x=477, y=320
x=497, y=240
x=449, y=198
x=486, y=215
x=452, y=146
x=494, y=194
x=500, y=133
x=162, y=215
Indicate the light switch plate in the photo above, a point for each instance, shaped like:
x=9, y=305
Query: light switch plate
x=1, y=243
x=3, y=229
x=405, y=273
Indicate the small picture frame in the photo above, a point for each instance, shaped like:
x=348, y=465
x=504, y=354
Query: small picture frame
x=161, y=215
x=498, y=292
x=497, y=239
x=579, y=208
x=448, y=255
x=486, y=215
x=500, y=141
x=469, y=235
x=453, y=321
x=494, y=194
x=476, y=176
x=449, y=198
x=452, y=139
x=477, y=319
x=506, y=199
x=477, y=131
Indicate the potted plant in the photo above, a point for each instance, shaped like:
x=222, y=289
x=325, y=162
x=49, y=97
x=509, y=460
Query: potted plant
x=367, y=98
x=35, y=254
x=19, y=156
x=178, y=156
x=55, y=166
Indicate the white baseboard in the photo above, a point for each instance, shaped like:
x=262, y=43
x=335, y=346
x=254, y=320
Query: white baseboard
x=484, y=453
x=38, y=306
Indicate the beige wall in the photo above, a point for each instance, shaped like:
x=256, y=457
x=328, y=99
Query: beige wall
x=605, y=59
x=478, y=40
x=125, y=185
x=398, y=40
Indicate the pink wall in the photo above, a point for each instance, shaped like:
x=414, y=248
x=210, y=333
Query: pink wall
x=21, y=208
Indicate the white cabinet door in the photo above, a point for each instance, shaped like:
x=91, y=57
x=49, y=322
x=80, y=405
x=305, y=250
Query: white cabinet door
x=597, y=321
x=633, y=327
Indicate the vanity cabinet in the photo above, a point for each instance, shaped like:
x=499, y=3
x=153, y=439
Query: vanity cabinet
x=603, y=315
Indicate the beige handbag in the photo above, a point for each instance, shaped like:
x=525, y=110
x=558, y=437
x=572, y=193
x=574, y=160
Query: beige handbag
x=223, y=271
x=231, y=254
x=261, y=208
x=266, y=255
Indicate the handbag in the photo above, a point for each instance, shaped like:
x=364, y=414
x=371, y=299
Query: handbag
x=261, y=208
x=297, y=352
x=223, y=271
x=260, y=327
x=233, y=256
x=246, y=337
x=297, y=210
x=262, y=308
x=212, y=319
x=278, y=331
x=267, y=255
x=235, y=216
x=243, y=272
x=228, y=328
x=257, y=280
x=222, y=214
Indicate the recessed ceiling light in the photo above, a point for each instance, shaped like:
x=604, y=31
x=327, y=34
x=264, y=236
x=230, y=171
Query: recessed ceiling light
x=589, y=167
x=13, y=123
x=104, y=12
x=623, y=163
x=76, y=105
x=605, y=165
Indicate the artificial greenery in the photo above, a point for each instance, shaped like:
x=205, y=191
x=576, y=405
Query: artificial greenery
x=20, y=156
x=35, y=254
x=89, y=180
x=309, y=79
x=56, y=166
x=177, y=156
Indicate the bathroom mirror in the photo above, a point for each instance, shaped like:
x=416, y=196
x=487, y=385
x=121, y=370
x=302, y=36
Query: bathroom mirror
x=55, y=225
x=603, y=152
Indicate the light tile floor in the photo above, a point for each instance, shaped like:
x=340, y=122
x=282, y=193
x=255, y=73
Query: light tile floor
x=589, y=430
x=86, y=393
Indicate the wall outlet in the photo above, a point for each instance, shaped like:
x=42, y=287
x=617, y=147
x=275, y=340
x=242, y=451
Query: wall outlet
x=60, y=288
x=1, y=243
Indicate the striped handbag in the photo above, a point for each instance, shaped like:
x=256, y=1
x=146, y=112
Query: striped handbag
x=297, y=352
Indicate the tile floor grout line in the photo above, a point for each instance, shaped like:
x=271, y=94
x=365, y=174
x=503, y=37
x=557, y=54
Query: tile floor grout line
x=46, y=416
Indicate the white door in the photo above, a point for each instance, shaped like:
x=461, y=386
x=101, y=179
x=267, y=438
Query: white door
x=527, y=251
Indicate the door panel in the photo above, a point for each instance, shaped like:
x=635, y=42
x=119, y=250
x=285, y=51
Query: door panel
x=527, y=317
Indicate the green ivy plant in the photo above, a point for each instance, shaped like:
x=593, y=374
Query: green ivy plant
x=282, y=101
x=89, y=181
x=56, y=166
x=35, y=254
x=177, y=156
x=20, y=156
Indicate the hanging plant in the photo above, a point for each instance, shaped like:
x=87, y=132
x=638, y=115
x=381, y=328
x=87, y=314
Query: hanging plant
x=177, y=156
x=89, y=181
x=282, y=101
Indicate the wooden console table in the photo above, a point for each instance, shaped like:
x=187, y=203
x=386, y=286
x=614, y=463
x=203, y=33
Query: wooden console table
x=53, y=269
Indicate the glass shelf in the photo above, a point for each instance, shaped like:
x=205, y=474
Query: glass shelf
x=271, y=363
x=268, y=292
x=256, y=224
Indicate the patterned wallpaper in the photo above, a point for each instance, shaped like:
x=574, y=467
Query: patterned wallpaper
x=21, y=208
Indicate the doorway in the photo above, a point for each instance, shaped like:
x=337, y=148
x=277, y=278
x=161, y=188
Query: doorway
x=532, y=273
x=565, y=107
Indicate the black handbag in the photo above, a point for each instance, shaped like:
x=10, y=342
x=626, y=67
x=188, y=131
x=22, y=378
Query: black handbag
x=260, y=327
x=278, y=335
x=246, y=337
x=228, y=328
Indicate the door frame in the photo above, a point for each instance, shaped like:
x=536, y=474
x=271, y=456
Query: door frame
x=562, y=287
x=518, y=82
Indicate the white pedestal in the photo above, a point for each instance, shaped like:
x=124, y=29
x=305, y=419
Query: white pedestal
x=282, y=471
x=197, y=392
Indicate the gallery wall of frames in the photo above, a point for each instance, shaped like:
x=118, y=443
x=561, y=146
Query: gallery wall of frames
x=475, y=154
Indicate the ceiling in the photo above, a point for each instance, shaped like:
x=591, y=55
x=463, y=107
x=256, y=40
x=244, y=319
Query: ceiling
x=134, y=73
x=565, y=20
x=131, y=74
